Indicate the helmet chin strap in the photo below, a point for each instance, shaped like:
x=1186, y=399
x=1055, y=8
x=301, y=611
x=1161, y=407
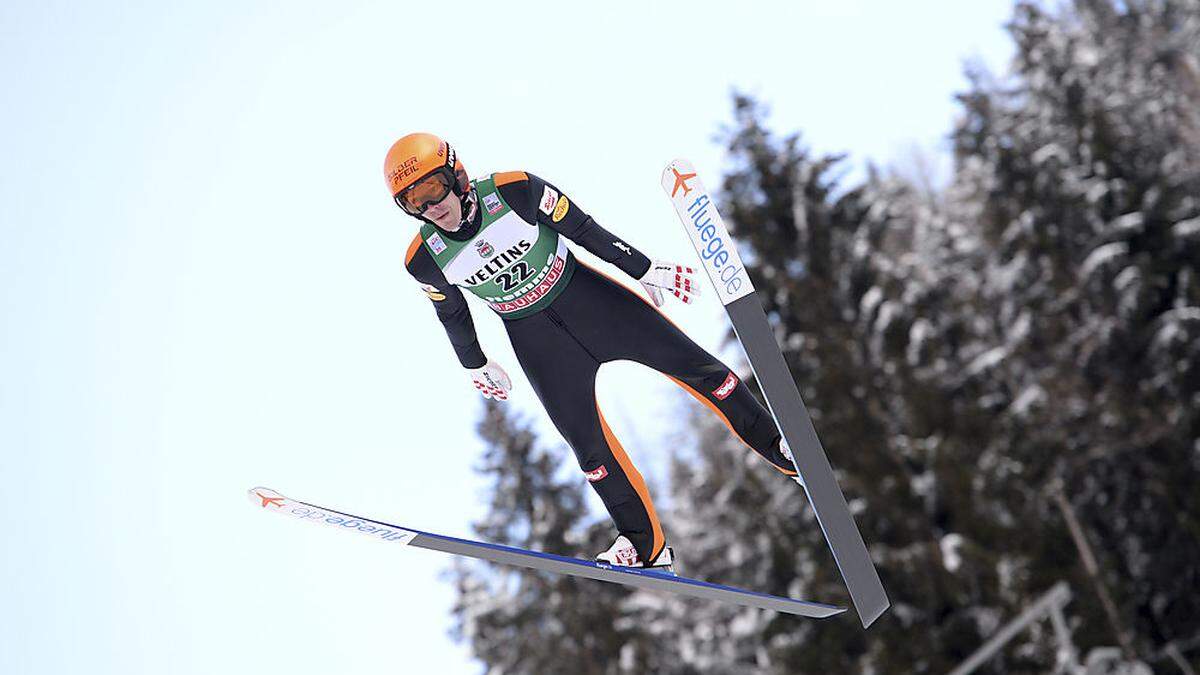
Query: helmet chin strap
x=470, y=206
x=469, y=203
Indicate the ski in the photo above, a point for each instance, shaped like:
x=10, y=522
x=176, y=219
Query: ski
x=509, y=555
x=719, y=258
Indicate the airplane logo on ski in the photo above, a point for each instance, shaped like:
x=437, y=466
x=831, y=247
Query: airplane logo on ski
x=273, y=501
x=681, y=182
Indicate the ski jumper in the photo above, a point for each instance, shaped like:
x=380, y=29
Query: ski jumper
x=564, y=319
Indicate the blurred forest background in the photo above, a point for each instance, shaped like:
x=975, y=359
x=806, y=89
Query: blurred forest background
x=1005, y=370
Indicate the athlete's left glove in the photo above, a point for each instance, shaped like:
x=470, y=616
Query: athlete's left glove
x=491, y=381
x=671, y=278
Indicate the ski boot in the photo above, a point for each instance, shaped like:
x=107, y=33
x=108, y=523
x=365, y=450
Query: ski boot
x=623, y=554
x=787, y=452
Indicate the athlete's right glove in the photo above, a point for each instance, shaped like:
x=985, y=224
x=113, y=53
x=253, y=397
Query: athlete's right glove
x=672, y=278
x=491, y=381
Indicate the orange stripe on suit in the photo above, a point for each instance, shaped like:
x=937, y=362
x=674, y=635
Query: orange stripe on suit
x=639, y=484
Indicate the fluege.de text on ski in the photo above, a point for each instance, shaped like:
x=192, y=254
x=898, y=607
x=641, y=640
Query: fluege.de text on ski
x=714, y=252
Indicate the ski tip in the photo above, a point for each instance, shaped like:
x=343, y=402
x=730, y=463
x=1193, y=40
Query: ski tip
x=677, y=166
x=264, y=497
x=679, y=175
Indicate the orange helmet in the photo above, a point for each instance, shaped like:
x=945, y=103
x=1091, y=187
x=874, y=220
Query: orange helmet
x=421, y=169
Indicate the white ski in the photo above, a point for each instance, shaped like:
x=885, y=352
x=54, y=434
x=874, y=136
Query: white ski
x=719, y=258
x=648, y=579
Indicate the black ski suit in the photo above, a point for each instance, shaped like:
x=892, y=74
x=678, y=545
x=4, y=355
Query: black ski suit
x=593, y=321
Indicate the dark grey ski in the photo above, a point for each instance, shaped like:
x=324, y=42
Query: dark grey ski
x=721, y=262
x=510, y=555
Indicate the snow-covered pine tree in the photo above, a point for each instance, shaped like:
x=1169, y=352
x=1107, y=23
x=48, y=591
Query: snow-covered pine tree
x=847, y=274
x=1040, y=321
x=1082, y=174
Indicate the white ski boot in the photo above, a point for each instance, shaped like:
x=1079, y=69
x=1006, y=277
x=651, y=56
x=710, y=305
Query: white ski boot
x=623, y=554
x=787, y=452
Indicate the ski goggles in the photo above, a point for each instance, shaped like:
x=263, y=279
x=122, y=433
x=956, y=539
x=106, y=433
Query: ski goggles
x=426, y=192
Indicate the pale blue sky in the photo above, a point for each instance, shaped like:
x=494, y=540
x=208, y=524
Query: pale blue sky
x=201, y=286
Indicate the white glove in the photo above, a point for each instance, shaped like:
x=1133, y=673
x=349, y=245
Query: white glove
x=670, y=277
x=491, y=381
